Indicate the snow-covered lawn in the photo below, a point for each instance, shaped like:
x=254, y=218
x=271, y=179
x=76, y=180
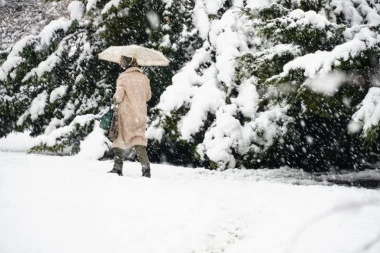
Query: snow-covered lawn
x=66, y=204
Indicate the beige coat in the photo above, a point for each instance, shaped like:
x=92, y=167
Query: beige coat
x=132, y=93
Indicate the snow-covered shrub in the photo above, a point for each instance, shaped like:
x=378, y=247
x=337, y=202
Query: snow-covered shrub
x=337, y=64
x=52, y=80
x=368, y=116
x=251, y=83
x=276, y=84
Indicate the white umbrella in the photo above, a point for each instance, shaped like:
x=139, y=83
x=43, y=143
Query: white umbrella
x=143, y=55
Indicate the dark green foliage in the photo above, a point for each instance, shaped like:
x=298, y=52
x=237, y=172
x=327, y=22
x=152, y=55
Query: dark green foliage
x=67, y=143
x=172, y=151
x=306, y=5
x=266, y=13
x=315, y=143
x=372, y=138
x=311, y=38
x=265, y=64
x=3, y=56
x=312, y=5
x=317, y=139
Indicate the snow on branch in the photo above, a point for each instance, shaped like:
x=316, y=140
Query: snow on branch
x=368, y=114
x=14, y=57
x=324, y=61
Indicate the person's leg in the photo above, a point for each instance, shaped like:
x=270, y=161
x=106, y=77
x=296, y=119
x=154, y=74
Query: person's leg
x=143, y=159
x=118, y=161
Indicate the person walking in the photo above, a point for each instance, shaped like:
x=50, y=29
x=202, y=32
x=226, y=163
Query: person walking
x=132, y=94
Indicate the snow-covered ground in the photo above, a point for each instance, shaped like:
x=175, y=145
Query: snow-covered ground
x=69, y=204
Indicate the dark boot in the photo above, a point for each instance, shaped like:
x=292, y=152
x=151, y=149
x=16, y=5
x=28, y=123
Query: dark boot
x=119, y=172
x=118, y=161
x=146, y=171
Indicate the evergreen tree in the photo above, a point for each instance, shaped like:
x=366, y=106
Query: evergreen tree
x=327, y=82
x=292, y=83
x=301, y=71
x=53, y=84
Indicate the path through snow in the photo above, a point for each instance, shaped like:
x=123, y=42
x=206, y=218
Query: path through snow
x=65, y=204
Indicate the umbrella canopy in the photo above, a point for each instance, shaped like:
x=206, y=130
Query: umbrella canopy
x=143, y=55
